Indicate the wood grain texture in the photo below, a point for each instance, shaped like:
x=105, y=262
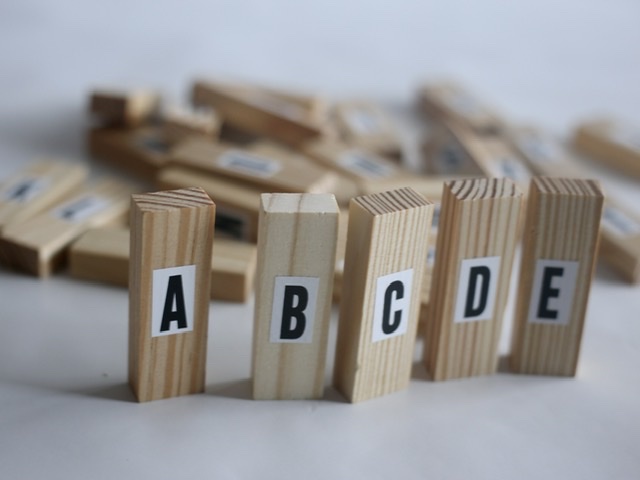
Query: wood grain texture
x=31, y=190
x=478, y=219
x=39, y=245
x=115, y=107
x=562, y=223
x=387, y=235
x=620, y=239
x=169, y=229
x=297, y=239
x=611, y=142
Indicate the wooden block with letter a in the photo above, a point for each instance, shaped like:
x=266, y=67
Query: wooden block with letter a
x=171, y=245
x=123, y=108
x=39, y=244
x=384, y=267
x=620, y=239
x=296, y=257
x=558, y=260
x=477, y=237
x=33, y=189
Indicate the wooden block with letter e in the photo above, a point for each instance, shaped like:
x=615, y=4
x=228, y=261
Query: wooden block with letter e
x=296, y=257
x=384, y=267
x=558, y=260
x=477, y=237
x=39, y=245
x=171, y=245
x=613, y=143
x=33, y=189
x=123, y=108
x=620, y=239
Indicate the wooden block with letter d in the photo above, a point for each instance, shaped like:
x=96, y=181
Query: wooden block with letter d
x=296, y=257
x=171, y=244
x=477, y=237
x=558, y=259
x=384, y=267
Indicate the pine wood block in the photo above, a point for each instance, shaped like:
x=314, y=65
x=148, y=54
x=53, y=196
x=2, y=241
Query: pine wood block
x=364, y=124
x=39, y=244
x=447, y=152
x=384, y=266
x=428, y=186
x=171, y=245
x=33, y=189
x=296, y=257
x=123, y=108
x=233, y=270
x=341, y=250
x=451, y=101
x=181, y=122
x=558, y=260
x=258, y=114
x=497, y=159
x=139, y=151
x=237, y=203
x=620, y=239
x=477, y=237
x=613, y=143
x=270, y=171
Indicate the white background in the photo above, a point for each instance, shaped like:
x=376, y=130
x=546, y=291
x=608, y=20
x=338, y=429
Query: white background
x=65, y=409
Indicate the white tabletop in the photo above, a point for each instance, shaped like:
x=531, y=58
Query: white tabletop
x=65, y=409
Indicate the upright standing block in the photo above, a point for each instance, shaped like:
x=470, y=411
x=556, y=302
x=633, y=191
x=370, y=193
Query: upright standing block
x=384, y=266
x=476, y=241
x=558, y=259
x=170, y=267
x=296, y=257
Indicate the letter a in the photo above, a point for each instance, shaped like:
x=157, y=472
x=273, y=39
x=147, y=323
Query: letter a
x=175, y=296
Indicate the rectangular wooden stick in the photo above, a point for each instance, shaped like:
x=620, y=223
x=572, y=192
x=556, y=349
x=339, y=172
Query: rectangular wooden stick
x=296, y=257
x=620, y=239
x=115, y=107
x=384, y=267
x=477, y=237
x=558, y=260
x=171, y=244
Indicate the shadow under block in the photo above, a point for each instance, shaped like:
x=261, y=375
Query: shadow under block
x=171, y=244
x=281, y=172
x=477, y=237
x=33, y=189
x=385, y=261
x=620, y=240
x=296, y=258
x=123, y=108
x=558, y=260
x=614, y=144
x=39, y=244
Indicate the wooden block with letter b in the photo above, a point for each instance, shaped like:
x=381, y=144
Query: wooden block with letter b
x=171, y=245
x=296, y=257
x=384, y=267
x=477, y=237
x=558, y=259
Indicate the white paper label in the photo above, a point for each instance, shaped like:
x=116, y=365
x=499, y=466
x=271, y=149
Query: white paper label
x=619, y=223
x=364, y=164
x=249, y=163
x=554, y=285
x=392, y=305
x=173, y=300
x=294, y=309
x=81, y=208
x=363, y=122
x=477, y=289
x=510, y=168
x=25, y=189
x=450, y=159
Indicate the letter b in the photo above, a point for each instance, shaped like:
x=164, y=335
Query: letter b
x=294, y=309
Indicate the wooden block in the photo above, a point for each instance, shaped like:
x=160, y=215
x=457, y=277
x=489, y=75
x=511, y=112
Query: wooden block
x=614, y=143
x=38, y=245
x=446, y=152
x=558, y=260
x=341, y=250
x=474, y=254
x=384, y=267
x=237, y=204
x=233, y=270
x=260, y=114
x=123, y=108
x=33, y=189
x=497, y=159
x=296, y=256
x=620, y=239
x=451, y=101
x=364, y=124
x=169, y=292
x=181, y=122
x=259, y=165
x=141, y=151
